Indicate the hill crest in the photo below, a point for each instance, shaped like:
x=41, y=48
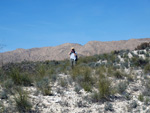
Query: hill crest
x=61, y=52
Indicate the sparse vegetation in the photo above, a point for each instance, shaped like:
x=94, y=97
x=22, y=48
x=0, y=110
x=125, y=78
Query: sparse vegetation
x=141, y=98
x=100, y=77
x=22, y=102
x=63, y=83
x=147, y=88
x=147, y=69
x=44, y=86
x=118, y=75
x=104, y=88
x=1, y=107
x=20, y=78
x=122, y=86
x=147, y=101
x=83, y=76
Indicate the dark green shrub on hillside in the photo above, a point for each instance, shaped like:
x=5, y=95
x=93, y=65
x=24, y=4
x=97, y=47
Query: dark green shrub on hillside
x=88, y=59
x=92, y=64
x=22, y=102
x=143, y=46
x=53, y=77
x=118, y=75
x=141, y=98
x=104, y=88
x=130, y=77
x=63, y=83
x=41, y=70
x=3, y=77
x=147, y=69
x=16, y=77
x=50, y=71
x=100, y=70
x=20, y=78
x=26, y=79
x=95, y=97
x=77, y=89
x=138, y=62
x=4, y=94
x=147, y=100
x=146, y=92
x=122, y=86
x=2, y=108
x=8, y=85
x=80, y=70
x=109, y=57
x=44, y=86
x=62, y=67
x=110, y=71
x=83, y=76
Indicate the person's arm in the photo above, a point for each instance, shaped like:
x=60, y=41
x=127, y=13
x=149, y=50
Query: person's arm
x=69, y=53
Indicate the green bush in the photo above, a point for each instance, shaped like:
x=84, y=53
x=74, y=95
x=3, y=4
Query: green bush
x=147, y=100
x=104, y=88
x=16, y=77
x=147, y=69
x=8, y=84
x=44, y=86
x=77, y=89
x=95, y=97
x=86, y=86
x=3, y=77
x=102, y=69
x=118, y=75
x=26, y=79
x=20, y=78
x=143, y=46
x=122, y=86
x=146, y=92
x=83, y=76
x=22, y=102
x=138, y=62
x=63, y=83
x=53, y=77
x=1, y=107
x=41, y=70
x=4, y=94
x=130, y=77
x=88, y=59
x=141, y=98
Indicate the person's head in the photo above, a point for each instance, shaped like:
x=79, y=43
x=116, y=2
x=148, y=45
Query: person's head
x=72, y=49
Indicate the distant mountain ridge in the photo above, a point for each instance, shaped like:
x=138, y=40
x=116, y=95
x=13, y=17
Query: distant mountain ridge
x=61, y=52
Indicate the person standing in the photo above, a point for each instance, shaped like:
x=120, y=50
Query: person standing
x=73, y=57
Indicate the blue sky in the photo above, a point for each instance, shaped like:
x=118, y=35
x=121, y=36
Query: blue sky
x=41, y=23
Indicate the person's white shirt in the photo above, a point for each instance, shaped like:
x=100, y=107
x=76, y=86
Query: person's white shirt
x=73, y=56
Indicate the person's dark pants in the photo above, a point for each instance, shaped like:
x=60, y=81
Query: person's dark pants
x=72, y=62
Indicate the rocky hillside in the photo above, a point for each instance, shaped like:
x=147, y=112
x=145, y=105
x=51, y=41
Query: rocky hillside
x=117, y=82
x=61, y=52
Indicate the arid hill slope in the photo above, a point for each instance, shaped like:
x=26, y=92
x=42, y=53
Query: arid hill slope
x=61, y=52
